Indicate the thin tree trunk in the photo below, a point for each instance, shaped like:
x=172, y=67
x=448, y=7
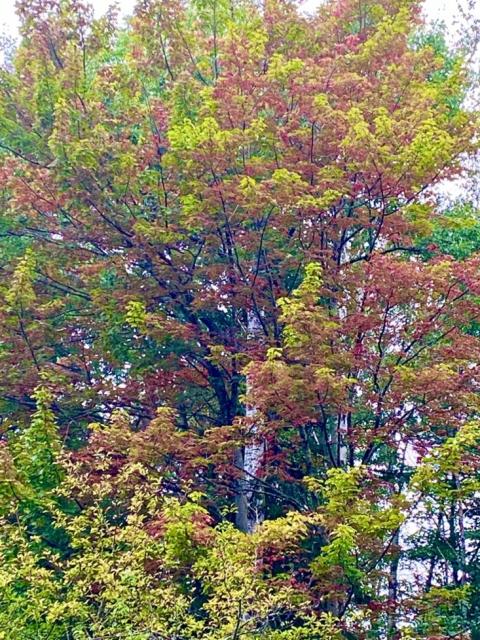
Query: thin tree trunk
x=393, y=590
x=250, y=500
x=342, y=447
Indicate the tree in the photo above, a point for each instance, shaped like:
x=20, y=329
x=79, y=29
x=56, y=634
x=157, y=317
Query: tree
x=225, y=211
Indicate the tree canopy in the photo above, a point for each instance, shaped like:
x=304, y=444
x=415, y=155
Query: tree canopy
x=239, y=337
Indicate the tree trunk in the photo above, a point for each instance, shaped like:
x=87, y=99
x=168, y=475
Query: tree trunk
x=250, y=500
x=393, y=590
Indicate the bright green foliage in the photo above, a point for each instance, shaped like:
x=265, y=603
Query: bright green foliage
x=39, y=445
x=134, y=563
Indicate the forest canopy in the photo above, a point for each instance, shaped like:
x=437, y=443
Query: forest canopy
x=239, y=330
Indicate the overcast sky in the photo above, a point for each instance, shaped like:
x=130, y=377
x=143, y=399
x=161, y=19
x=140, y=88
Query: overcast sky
x=436, y=9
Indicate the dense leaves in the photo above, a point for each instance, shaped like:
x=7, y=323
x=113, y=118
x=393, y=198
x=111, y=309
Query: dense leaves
x=240, y=345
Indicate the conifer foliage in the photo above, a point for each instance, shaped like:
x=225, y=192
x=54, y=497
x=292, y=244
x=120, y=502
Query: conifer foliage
x=240, y=343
